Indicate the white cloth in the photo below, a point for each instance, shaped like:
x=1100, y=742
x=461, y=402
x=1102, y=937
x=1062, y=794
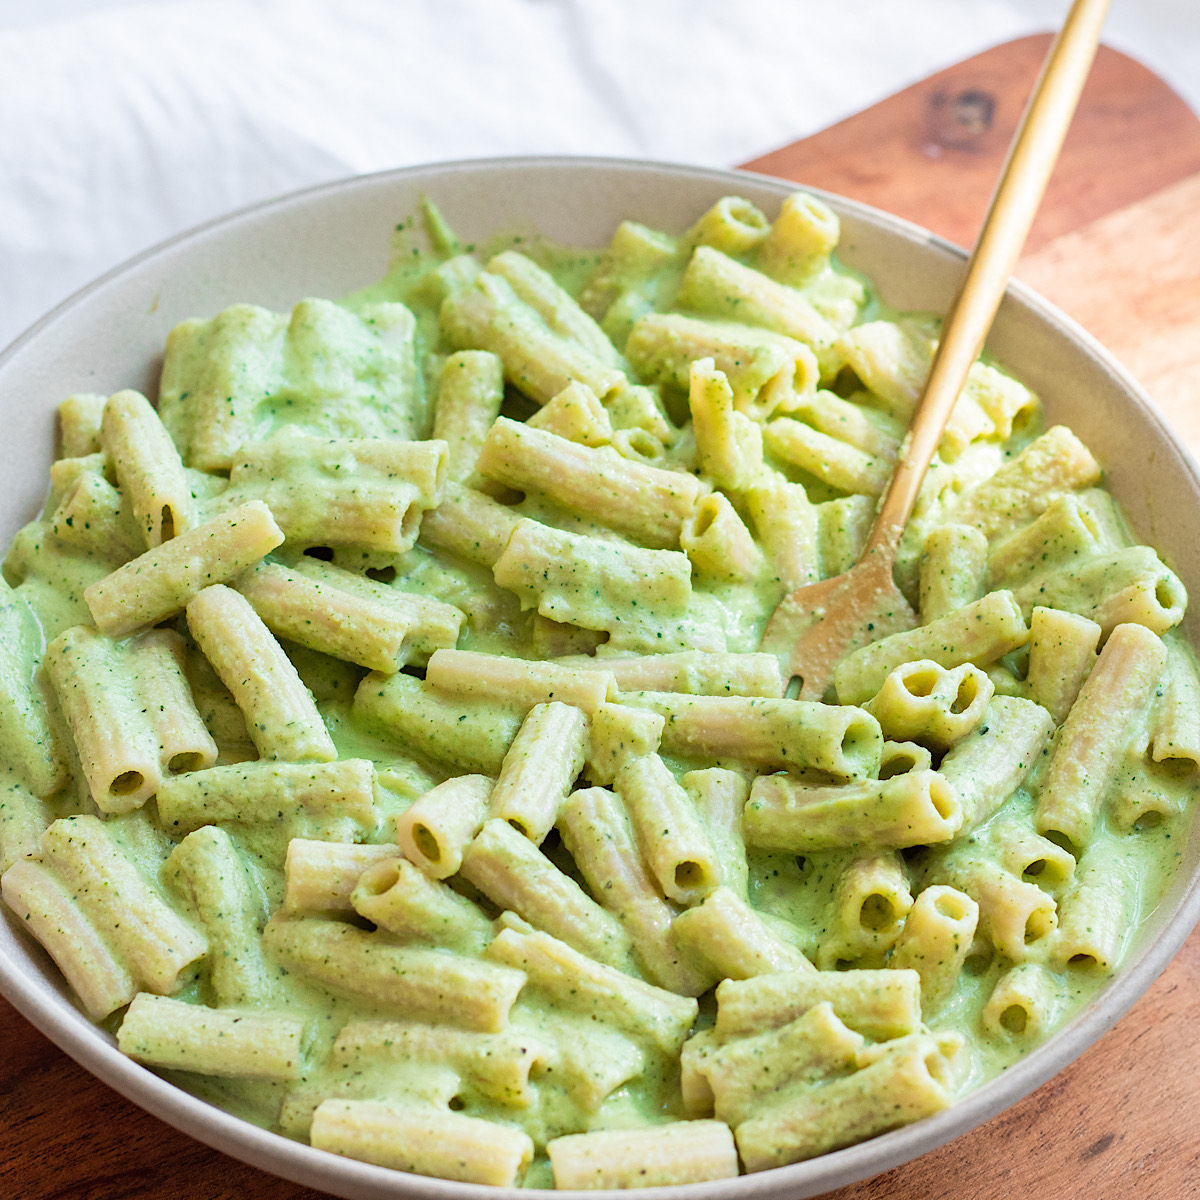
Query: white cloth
x=123, y=122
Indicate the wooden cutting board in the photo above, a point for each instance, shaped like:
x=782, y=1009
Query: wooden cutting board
x=1118, y=246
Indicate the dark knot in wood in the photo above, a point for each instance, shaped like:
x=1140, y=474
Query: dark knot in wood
x=959, y=120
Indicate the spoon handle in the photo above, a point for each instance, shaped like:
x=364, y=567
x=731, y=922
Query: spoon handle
x=1013, y=206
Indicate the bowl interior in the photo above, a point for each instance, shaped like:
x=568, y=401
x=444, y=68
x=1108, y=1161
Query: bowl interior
x=331, y=240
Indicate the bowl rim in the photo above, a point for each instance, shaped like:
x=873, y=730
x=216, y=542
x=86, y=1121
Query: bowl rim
x=89, y=1045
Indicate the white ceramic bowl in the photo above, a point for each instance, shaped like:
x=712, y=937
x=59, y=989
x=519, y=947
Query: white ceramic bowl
x=330, y=240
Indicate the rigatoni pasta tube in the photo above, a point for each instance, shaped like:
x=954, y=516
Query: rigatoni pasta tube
x=878, y=1004
x=540, y=767
x=720, y=796
x=234, y=1043
x=159, y=583
x=145, y=931
x=339, y=795
x=576, y=414
x=471, y=733
x=399, y=897
x=901, y=1086
x=583, y=985
x=1023, y=1004
x=184, y=743
x=1099, y=726
x=718, y=542
x=645, y=503
x=515, y=875
x=148, y=468
x=498, y=1064
x=319, y=877
x=726, y=932
x=801, y=238
x=717, y=284
x=593, y=583
x=522, y=683
x=733, y=225
x=670, y=833
x=415, y=980
x=326, y=618
x=1129, y=585
x=729, y=445
x=43, y=904
x=953, y=565
x=744, y=1073
x=1015, y=916
x=923, y=702
x=422, y=1139
x=619, y=733
x=935, y=942
x=431, y=623
x=786, y=523
x=281, y=715
x=1022, y=489
x=677, y=1153
x=23, y=820
x=470, y=392
x=1062, y=652
x=870, y=901
x=537, y=288
x=693, y=672
x=993, y=760
x=434, y=831
x=208, y=870
x=97, y=688
x=843, y=467
x=470, y=524
x=489, y=315
x=419, y=464
x=1093, y=924
x=597, y=832
x=977, y=633
x=768, y=732
x=914, y=809
x=1066, y=532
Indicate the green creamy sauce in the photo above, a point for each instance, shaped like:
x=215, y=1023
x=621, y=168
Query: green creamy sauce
x=797, y=891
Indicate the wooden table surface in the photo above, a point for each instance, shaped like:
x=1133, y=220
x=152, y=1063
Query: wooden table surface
x=1118, y=247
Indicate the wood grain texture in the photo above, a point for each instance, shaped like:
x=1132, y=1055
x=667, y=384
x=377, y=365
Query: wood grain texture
x=1118, y=244
x=931, y=153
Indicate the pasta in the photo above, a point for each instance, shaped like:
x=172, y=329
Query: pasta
x=384, y=729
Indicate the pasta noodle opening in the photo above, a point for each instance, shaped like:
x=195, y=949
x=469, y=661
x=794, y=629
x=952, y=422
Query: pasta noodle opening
x=324, y=553
x=1151, y=819
x=380, y=878
x=166, y=523
x=186, y=760
x=942, y=797
x=1038, y=924
x=920, y=682
x=1063, y=842
x=381, y=574
x=1083, y=962
x=860, y=745
x=1015, y=1019
x=426, y=843
x=951, y=907
x=690, y=874
x=127, y=783
x=967, y=694
x=877, y=913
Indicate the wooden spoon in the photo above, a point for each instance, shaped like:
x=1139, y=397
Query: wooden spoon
x=816, y=625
